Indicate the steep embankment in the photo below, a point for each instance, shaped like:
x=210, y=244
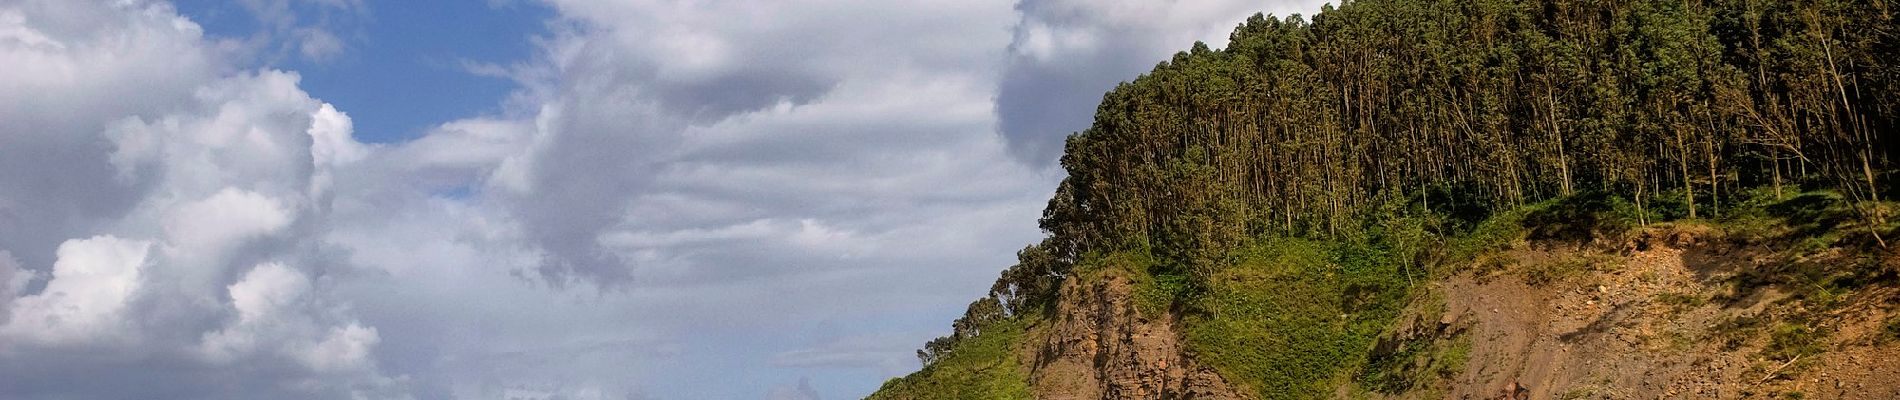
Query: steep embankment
x=1562, y=300
x=1675, y=311
x=1100, y=346
x=1094, y=344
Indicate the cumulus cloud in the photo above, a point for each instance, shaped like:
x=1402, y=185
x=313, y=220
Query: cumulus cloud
x=72, y=68
x=85, y=301
x=189, y=183
x=271, y=303
x=1063, y=54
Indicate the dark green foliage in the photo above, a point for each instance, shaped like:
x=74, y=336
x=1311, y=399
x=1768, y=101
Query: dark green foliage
x=1580, y=218
x=1467, y=107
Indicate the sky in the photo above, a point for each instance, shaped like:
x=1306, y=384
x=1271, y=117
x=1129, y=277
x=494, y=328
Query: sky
x=530, y=199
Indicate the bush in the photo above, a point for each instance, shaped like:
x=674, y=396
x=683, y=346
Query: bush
x=1580, y=218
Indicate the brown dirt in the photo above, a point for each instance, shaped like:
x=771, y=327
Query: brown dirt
x=1642, y=322
x=1099, y=346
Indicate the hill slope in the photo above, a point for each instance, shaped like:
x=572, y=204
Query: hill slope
x=1307, y=212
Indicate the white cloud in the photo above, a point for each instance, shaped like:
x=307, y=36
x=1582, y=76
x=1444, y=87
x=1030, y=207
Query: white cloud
x=71, y=69
x=169, y=180
x=85, y=301
x=274, y=315
x=345, y=348
x=331, y=147
x=259, y=298
x=202, y=232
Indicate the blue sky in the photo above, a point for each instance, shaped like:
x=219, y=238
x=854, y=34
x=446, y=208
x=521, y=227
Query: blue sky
x=520, y=199
x=406, y=67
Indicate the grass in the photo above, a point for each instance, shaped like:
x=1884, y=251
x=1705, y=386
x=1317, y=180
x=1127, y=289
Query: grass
x=1558, y=270
x=1578, y=393
x=981, y=368
x=1295, y=315
x=1154, y=293
x=1734, y=332
x=1892, y=328
x=1806, y=221
x=1499, y=232
x=1419, y=362
x=1271, y=322
x=1422, y=367
x=1791, y=340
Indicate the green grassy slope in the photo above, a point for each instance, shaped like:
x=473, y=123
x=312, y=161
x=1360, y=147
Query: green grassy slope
x=985, y=367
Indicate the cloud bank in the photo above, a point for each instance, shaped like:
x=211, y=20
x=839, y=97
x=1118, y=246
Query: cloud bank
x=185, y=201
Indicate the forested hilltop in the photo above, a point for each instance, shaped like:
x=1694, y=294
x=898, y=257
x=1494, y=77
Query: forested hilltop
x=1393, y=142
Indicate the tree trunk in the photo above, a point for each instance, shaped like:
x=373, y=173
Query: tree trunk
x=1682, y=160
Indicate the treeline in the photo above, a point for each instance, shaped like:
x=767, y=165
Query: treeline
x=1461, y=107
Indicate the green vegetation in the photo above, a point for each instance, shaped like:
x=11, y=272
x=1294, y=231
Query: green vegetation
x=1734, y=332
x=1791, y=340
x=1285, y=196
x=1416, y=364
x=1260, y=323
x=1893, y=327
x=985, y=367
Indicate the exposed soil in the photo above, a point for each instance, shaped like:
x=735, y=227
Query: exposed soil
x=1654, y=319
x=1099, y=347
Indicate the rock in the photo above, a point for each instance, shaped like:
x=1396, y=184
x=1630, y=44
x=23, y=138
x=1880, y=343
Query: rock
x=1515, y=392
x=1103, y=349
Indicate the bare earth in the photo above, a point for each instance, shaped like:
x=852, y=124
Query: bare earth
x=1611, y=333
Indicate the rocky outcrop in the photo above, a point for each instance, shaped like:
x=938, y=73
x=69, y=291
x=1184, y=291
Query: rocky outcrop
x=1099, y=346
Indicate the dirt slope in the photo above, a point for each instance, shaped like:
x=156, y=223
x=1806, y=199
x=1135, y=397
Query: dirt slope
x=1660, y=318
x=1099, y=347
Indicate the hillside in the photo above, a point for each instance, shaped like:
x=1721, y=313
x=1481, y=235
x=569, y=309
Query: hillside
x=1432, y=199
